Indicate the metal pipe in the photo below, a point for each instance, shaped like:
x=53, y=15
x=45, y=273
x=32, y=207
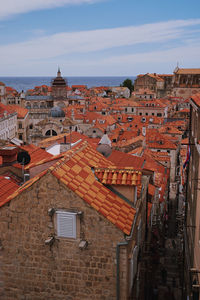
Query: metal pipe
x=118, y=269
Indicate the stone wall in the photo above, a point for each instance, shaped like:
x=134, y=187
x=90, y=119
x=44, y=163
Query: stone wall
x=32, y=270
x=185, y=93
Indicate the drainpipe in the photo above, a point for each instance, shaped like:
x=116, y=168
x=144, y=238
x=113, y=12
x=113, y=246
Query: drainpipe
x=118, y=257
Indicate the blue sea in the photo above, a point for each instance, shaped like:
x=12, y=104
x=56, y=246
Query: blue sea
x=25, y=83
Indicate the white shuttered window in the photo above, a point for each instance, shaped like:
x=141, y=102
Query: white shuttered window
x=66, y=224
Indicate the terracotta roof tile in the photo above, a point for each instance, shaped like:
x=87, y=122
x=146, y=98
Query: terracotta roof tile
x=92, y=191
x=196, y=99
x=82, y=181
x=118, y=177
x=7, y=187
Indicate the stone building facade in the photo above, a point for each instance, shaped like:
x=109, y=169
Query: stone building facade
x=160, y=84
x=92, y=259
x=8, y=123
x=192, y=213
x=186, y=82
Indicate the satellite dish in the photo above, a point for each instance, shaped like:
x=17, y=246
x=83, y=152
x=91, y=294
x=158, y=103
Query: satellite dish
x=23, y=158
x=104, y=149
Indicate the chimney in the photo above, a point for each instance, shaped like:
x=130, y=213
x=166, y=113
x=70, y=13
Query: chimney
x=8, y=154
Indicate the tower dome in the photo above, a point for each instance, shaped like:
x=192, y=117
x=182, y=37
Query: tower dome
x=56, y=112
x=59, y=81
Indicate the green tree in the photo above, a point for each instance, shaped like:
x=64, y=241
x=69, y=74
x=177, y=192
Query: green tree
x=129, y=84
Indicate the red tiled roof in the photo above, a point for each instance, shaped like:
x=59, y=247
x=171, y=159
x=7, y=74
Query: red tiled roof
x=75, y=172
x=123, y=160
x=116, y=176
x=188, y=71
x=196, y=99
x=37, y=155
x=156, y=140
x=21, y=111
x=74, y=137
x=7, y=187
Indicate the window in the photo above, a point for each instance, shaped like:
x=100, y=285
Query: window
x=54, y=132
x=48, y=132
x=66, y=224
x=20, y=125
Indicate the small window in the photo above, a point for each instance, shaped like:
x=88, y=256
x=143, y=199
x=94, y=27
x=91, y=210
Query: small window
x=66, y=224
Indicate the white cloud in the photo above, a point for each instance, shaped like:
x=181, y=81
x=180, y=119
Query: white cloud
x=13, y=7
x=56, y=49
x=95, y=40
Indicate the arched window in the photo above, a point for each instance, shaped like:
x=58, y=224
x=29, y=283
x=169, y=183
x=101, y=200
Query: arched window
x=54, y=132
x=28, y=105
x=42, y=105
x=48, y=133
x=35, y=105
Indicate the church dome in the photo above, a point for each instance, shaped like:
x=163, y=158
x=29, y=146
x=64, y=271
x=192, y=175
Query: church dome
x=59, y=81
x=56, y=112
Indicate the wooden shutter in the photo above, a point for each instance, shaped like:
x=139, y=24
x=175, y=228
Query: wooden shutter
x=66, y=224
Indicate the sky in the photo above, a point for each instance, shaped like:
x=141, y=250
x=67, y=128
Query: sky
x=98, y=37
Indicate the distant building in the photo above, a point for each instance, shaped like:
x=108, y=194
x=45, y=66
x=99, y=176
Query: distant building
x=158, y=83
x=22, y=122
x=2, y=92
x=8, y=123
x=59, y=90
x=186, y=82
x=121, y=92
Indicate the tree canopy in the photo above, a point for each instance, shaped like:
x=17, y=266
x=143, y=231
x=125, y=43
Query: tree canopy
x=129, y=84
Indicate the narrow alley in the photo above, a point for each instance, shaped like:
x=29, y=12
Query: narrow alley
x=162, y=263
